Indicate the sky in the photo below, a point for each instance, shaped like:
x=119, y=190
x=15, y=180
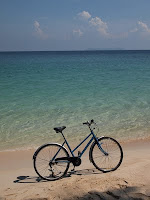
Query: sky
x=53, y=25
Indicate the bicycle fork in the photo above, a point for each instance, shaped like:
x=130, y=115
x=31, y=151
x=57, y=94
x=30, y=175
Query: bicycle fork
x=100, y=147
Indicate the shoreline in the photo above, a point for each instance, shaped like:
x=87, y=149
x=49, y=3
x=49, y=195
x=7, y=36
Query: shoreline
x=122, y=141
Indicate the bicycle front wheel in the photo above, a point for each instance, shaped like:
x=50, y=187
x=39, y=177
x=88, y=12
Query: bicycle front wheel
x=109, y=158
x=46, y=166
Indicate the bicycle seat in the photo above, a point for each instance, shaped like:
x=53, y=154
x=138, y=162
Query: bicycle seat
x=59, y=129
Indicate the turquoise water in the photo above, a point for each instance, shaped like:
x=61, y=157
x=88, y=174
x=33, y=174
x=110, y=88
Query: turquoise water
x=42, y=90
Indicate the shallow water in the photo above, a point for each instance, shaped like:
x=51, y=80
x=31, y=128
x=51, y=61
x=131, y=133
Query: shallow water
x=42, y=90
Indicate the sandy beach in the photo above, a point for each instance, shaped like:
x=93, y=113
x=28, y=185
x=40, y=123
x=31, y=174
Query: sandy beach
x=18, y=181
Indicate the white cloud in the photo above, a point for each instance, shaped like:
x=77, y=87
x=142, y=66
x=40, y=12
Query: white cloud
x=133, y=30
x=84, y=15
x=96, y=22
x=143, y=27
x=100, y=26
x=39, y=31
x=77, y=32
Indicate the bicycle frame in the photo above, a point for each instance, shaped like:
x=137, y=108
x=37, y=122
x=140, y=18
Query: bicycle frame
x=72, y=151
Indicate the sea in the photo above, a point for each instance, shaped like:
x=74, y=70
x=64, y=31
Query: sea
x=43, y=90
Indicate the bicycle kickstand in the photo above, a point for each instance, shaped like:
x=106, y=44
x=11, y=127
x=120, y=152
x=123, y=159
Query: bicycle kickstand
x=73, y=170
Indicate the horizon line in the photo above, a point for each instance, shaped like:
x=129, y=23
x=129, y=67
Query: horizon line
x=74, y=50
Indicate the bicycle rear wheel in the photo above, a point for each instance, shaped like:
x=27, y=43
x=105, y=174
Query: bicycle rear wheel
x=44, y=164
x=111, y=160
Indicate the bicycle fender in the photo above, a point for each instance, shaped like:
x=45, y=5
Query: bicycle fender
x=90, y=151
x=36, y=152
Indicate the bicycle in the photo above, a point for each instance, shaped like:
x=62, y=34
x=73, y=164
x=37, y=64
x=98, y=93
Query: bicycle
x=51, y=161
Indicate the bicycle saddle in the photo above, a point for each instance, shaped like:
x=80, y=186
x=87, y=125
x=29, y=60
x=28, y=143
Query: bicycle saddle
x=59, y=129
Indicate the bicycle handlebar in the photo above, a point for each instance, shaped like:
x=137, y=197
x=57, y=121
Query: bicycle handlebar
x=89, y=123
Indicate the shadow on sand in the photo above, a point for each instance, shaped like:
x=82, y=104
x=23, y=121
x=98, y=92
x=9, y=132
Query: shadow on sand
x=36, y=179
x=28, y=179
x=122, y=193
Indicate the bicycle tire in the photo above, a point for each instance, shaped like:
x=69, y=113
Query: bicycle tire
x=42, y=158
x=110, y=146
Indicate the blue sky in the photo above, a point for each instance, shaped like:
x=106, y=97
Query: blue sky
x=74, y=24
